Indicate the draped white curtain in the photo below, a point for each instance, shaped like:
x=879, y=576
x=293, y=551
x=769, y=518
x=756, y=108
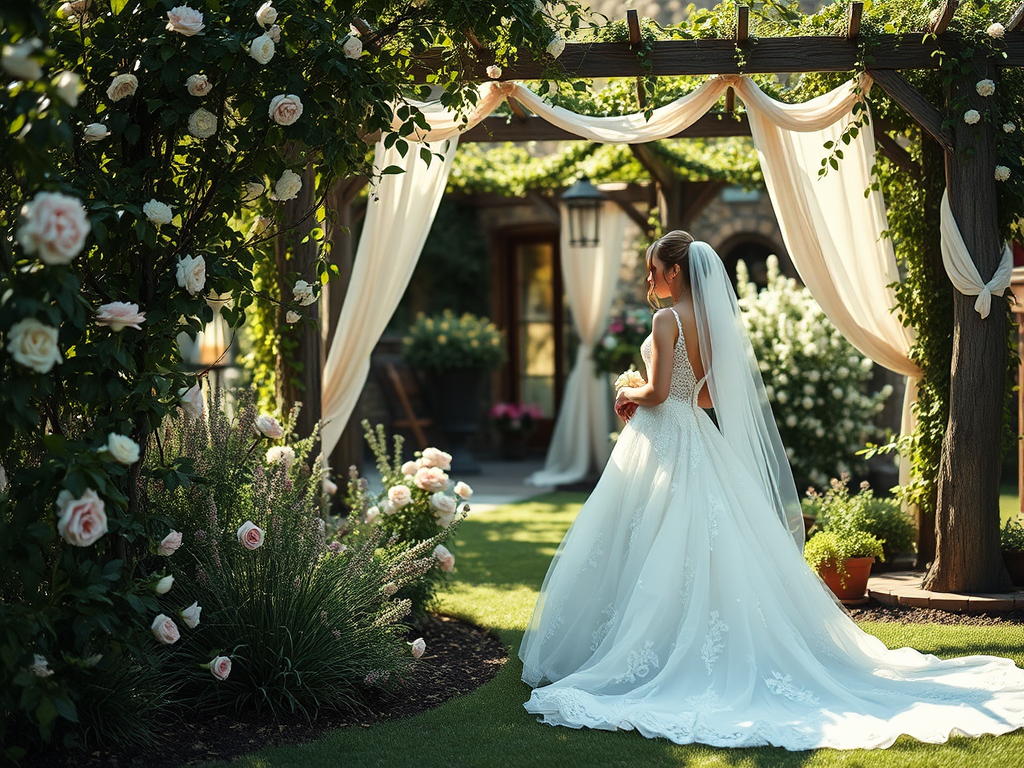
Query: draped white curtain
x=580, y=438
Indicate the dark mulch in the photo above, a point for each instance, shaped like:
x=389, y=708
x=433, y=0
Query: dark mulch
x=459, y=658
x=876, y=611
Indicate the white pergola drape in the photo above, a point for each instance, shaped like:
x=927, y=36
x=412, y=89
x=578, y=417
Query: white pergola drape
x=833, y=232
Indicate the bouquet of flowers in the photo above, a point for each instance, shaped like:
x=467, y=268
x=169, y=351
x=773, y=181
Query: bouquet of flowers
x=621, y=343
x=629, y=378
x=515, y=417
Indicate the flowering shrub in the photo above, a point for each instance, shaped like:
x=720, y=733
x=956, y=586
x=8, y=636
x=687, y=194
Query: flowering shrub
x=419, y=506
x=515, y=417
x=445, y=341
x=814, y=378
x=620, y=346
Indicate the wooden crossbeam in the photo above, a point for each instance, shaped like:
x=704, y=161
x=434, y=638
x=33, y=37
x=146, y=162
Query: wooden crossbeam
x=853, y=28
x=904, y=94
x=943, y=17
x=633, y=22
x=1016, y=22
x=498, y=129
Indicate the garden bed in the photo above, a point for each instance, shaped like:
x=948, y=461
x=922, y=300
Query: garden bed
x=459, y=658
x=874, y=610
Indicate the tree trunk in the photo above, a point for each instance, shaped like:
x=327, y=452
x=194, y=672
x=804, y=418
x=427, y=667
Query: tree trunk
x=967, y=556
x=299, y=365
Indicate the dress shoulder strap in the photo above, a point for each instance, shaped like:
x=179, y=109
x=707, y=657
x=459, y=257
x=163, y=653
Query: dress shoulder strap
x=679, y=325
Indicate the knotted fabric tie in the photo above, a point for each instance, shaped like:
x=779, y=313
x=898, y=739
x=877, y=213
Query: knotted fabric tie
x=961, y=269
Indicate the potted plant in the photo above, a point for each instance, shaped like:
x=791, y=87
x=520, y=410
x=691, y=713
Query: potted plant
x=455, y=353
x=1012, y=539
x=514, y=421
x=843, y=559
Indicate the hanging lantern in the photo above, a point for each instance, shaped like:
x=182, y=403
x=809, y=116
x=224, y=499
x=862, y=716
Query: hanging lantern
x=583, y=201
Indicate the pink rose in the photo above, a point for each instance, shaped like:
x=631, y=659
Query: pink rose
x=285, y=109
x=54, y=226
x=433, y=457
x=185, y=21
x=463, y=491
x=269, y=427
x=431, y=479
x=410, y=467
x=198, y=85
x=399, y=496
x=81, y=522
x=118, y=315
x=444, y=557
x=169, y=544
x=165, y=630
x=220, y=667
x=250, y=535
x=419, y=645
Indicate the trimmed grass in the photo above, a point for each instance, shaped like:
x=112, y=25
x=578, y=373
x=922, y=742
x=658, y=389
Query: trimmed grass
x=1009, y=503
x=502, y=556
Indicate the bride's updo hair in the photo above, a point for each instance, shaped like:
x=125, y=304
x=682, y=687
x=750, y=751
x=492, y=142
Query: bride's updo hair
x=671, y=248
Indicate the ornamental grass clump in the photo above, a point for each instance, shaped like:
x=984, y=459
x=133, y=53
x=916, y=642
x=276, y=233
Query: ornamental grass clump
x=447, y=341
x=815, y=379
x=272, y=617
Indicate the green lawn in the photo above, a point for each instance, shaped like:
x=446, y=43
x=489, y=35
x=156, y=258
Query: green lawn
x=1009, y=503
x=502, y=556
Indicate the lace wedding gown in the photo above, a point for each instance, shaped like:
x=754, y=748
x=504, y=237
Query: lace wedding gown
x=678, y=605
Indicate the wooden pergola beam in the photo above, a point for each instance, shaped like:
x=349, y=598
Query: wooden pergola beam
x=711, y=57
x=1016, y=22
x=496, y=129
x=904, y=94
x=943, y=17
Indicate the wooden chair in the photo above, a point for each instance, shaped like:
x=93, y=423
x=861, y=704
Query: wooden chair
x=402, y=389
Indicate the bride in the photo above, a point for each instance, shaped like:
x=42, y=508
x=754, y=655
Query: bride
x=679, y=603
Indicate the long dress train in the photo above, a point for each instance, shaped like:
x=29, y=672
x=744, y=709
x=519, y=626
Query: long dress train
x=679, y=606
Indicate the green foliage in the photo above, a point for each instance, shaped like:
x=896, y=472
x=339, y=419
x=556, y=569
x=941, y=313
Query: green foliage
x=831, y=549
x=838, y=511
x=447, y=341
x=619, y=348
x=1012, y=535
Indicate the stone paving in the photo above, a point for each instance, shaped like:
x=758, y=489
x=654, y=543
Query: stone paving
x=904, y=588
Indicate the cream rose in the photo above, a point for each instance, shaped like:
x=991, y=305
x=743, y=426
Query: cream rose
x=185, y=21
x=40, y=667
x=431, y=479
x=281, y=454
x=220, y=667
x=463, y=491
x=556, y=47
x=285, y=109
x=268, y=426
x=1002, y=173
x=443, y=503
x=250, y=535
x=17, y=59
x=292, y=317
x=191, y=614
x=372, y=514
x=419, y=645
x=985, y=87
x=122, y=449
x=118, y=315
x=165, y=630
x=169, y=544
x=971, y=116
x=303, y=293
x=94, y=132
x=287, y=187
x=399, y=496
x=163, y=586
x=192, y=402
x=34, y=345
x=995, y=30
x=494, y=71
x=352, y=47
x=202, y=123
x=253, y=191
x=191, y=273
x=68, y=84
x=198, y=85
x=122, y=86
x=1009, y=127
x=262, y=48
x=444, y=557
x=54, y=226
x=158, y=213
x=434, y=457
x=266, y=15
x=410, y=468
x=81, y=522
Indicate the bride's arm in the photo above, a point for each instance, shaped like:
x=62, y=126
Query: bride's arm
x=655, y=391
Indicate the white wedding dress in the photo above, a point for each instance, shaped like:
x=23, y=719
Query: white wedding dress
x=678, y=605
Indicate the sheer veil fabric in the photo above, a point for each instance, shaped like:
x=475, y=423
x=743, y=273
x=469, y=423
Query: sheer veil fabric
x=677, y=604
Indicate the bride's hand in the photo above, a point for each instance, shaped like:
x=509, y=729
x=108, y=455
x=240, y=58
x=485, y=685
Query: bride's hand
x=623, y=407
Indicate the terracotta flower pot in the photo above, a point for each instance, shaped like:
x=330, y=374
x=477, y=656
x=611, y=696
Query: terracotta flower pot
x=857, y=571
x=1015, y=565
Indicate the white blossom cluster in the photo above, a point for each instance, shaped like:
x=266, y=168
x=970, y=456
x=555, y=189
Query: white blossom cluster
x=815, y=379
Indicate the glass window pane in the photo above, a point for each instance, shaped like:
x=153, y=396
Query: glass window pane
x=536, y=280
x=540, y=390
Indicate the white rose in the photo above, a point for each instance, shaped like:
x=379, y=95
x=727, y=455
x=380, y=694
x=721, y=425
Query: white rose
x=202, y=123
x=163, y=586
x=287, y=187
x=192, y=401
x=285, y=109
x=399, y=496
x=169, y=545
x=494, y=71
x=191, y=273
x=158, y=213
x=1002, y=173
x=281, y=454
x=995, y=30
x=54, y=226
x=266, y=15
x=34, y=345
x=435, y=457
x=250, y=535
x=292, y=317
x=781, y=397
x=303, y=293
x=985, y=87
x=95, y=132
x=198, y=85
x=791, y=421
x=274, y=33
x=17, y=59
x=352, y=47
x=418, y=646
x=410, y=468
x=971, y=116
x=372, y=514
x=185, y=21
x=268, y=426
x=556, y=47
x=220, y=667
x=807, y=403
x=122, y=86
x=191, y=614
x=819, y=432
x=68, y=84
x=122, y=449
x=118, y=315
x=463, y=491
x=443, y=503
x=165, y=630
x=1009, y=127
x=81, y=522
x=446, y=558
x=262, y=48
x=40, y=667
